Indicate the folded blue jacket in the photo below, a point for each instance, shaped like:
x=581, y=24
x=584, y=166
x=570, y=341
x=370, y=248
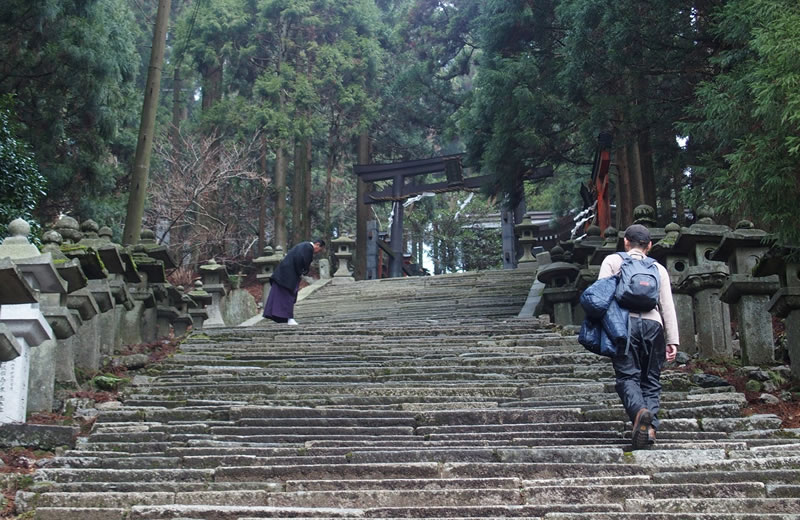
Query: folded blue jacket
x=605, y=329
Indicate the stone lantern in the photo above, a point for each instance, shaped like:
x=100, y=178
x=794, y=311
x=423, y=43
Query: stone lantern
x=197, y=310
x=24, y=320
x=749, y=295
x=343, y=251
x=526, y=235
x=677, y=263
x=560, y=294
x=785, y=303
x=703, y=280
x=215, y=278
x=266, y=264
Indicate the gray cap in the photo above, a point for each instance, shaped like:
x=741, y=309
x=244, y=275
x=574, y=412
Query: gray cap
x=638, y=233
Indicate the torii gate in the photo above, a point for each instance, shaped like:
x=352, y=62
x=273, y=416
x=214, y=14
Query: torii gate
x=398, y=172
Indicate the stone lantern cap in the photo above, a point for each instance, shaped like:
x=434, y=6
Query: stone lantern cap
x=585, y=247
x=526, y=229
x=608, y=247
x=152, y=267
x=199, y=295
x=68, y=268
x=704, y=231
x=665, y=246
x=552, y=272
x=148, y=245
x=93, y=267
x=69, y=229
x=744, y=236
x=17, y=244
x=43, y=272
x=215, y=273
x=774, y=261
x=344, y=244
x=14, y=289
x=108, y=253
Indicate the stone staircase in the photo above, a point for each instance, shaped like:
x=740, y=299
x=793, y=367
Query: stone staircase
x=412, y=398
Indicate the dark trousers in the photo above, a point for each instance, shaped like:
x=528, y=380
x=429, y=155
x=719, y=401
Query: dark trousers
x=638, y=371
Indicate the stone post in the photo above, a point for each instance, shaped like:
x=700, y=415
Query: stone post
x=184, y=319
x=266, y=264
x=343, y=251
x=526, y=236
x=749, y=295
x=197, y=311
x=122, y=271
x=24, y=321
x=215, y=277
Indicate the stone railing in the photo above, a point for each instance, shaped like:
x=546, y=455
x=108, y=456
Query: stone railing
x=69, y=307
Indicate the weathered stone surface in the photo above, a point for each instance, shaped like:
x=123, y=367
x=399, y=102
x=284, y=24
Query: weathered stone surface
x=45, y=437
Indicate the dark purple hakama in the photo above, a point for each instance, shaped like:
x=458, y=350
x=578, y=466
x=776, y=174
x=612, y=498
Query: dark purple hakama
x=280, y=304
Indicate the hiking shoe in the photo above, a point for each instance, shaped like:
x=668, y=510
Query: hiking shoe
x=651, y=436
x=641, y=425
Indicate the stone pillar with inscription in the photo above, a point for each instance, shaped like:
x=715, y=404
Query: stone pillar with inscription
x=24, y=321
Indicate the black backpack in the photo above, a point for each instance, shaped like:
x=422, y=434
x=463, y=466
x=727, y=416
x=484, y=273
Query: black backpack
x=637, y=289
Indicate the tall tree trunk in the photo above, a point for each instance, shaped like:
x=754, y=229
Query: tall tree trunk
x=280, y=196
x=625, y=199
x=328, y=184
x=362, y=210
x=178, y=108
x=677, y=186
x=212, y=85
x=436, y=251
x=665, y=199
x=307, y=187
x=647, y=169
x=262, y=200
x=144, y=146
x=298, y=192
x=635, y=169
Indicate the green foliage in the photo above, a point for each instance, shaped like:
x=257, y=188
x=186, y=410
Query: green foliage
x=71, y=66
x=747, y=118
x=21, y=184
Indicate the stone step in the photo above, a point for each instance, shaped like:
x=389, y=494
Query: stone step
x=669, y=516
x=240, y=512
x=770, y=476
x=714, y=505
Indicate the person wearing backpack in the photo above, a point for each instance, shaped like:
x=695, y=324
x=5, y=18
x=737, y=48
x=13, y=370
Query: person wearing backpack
x=644, y=289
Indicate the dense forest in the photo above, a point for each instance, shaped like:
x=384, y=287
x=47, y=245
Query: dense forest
x=264, y=103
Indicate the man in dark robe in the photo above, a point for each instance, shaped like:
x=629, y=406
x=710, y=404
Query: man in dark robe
x=285, y=281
